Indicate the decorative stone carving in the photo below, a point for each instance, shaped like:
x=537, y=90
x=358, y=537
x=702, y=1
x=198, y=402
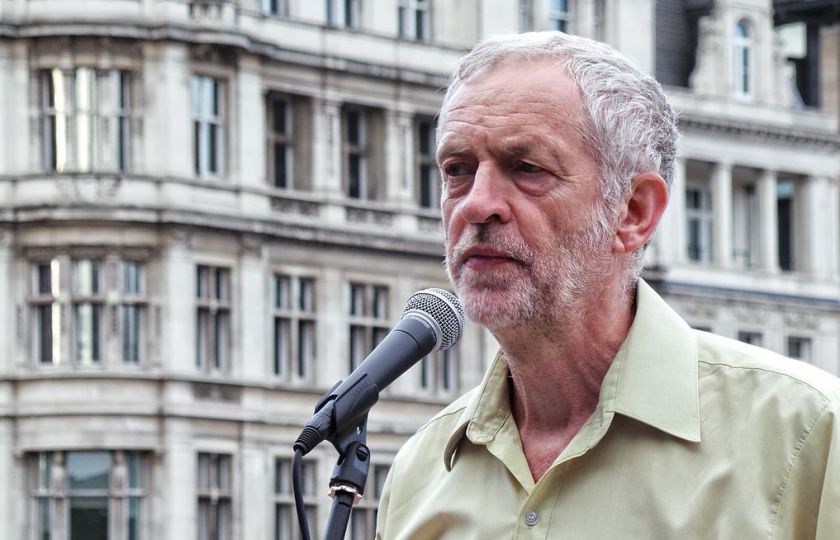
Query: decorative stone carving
x=706, y=77
x=803, y=321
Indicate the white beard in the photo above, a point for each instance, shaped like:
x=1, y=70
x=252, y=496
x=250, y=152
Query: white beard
x=551, y=285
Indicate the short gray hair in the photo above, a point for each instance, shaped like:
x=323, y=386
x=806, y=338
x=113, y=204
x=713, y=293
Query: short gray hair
x=633, y=125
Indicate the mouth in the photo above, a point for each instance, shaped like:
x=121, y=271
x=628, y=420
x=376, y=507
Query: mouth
x=485, y=258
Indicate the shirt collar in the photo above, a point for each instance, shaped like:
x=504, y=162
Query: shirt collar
x=653, y=379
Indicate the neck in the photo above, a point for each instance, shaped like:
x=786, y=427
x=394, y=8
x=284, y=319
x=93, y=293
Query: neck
x=557, y=365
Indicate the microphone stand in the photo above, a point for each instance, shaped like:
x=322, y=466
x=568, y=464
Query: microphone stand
x=347, y=484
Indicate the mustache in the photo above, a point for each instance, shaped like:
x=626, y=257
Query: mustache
x=490, y=235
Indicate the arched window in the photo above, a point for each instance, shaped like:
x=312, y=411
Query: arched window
x=742, y=59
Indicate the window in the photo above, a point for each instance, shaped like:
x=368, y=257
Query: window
x=213, y=318
x=46, y=324
x=526, y=15
x=343, y=12
x=600, y=16
x=355, y=154
x=698, y=212
x=83, y=495
x=559, y=17
x=746, y=225
x=742, y=59
x=799, y=348
x=289, y=135
x=753, y=338
x=208, y=125
x=280, y=142
x=438, y=373
x=275, y=7
x=214, y=496
x=363, y=517
x=786, y=223
x=132, y=312
x=428, y=183
x=86, y=119
x=413, y=19
x=369, y=322
x=87, y=303
x=286, y=525
x=87, y=299
x=294, y=327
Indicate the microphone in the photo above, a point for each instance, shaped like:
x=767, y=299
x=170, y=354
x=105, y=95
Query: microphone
x=432, y=320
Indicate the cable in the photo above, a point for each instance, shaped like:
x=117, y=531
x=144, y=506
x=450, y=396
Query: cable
x=298, y=490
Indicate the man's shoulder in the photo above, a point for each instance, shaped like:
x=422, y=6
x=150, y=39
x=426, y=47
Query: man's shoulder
x=434, y=434
x=731, y=359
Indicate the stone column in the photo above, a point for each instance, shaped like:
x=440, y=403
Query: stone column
x=677, y=210
x=814, y=235
x=768, y=216
x=833, y=227
x=326, y=150
x=722, y=214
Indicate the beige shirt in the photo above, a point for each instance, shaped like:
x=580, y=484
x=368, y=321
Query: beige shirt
x=694, y=436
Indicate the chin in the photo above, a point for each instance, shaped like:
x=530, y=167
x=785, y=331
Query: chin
x=496, y=307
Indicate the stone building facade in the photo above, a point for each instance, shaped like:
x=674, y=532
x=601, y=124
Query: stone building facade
x=210, y=211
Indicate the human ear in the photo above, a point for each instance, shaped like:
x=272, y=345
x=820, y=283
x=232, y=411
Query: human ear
x=640, y=212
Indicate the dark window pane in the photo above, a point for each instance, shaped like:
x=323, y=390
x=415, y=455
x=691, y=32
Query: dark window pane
x=424, y=132
x=88, y=470
x=401, y=22
x=212, y=148
x=419, y=30
x=88, y=518
x=354, y=173
x=197, y=146
x=279, y=118
x=44, y=273
x=44, y=322
x=280, y=166
x=426, y=187
x=354, y=135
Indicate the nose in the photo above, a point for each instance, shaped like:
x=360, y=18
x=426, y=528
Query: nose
x=488, y=197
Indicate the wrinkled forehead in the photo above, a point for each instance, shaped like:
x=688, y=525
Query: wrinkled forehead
x=527, y=69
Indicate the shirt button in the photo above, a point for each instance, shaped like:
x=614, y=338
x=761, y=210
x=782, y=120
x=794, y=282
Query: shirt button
x=531, y=518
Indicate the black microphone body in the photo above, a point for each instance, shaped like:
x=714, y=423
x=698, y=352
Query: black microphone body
x=347, y=403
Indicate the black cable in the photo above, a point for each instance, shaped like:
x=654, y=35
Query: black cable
x=297, y=487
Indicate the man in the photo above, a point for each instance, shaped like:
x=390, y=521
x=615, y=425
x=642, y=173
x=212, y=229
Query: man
x=603, y=415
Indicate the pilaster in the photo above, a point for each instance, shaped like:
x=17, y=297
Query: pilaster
x=768, y=214
x=722, y=214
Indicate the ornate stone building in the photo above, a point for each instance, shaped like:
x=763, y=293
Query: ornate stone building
x=210, y=211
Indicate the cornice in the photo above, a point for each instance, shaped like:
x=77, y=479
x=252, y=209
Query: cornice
x=224, y=38
x=321, y=234
x=777, y=134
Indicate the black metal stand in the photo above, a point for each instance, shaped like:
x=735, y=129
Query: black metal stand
x=347, y=484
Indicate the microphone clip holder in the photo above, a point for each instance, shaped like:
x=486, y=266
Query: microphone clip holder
x=347, y=483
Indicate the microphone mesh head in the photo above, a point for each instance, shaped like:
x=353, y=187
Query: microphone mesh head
x=444, y=308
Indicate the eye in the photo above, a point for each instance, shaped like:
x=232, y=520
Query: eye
x=524, y=166
x=455, y=169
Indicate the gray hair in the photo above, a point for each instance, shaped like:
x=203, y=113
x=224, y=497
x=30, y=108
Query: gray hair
x=633, y=126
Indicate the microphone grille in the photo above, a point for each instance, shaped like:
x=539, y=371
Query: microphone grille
x=444, y=308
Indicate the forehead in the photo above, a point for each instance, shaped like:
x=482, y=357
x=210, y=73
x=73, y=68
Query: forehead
x=531, y=92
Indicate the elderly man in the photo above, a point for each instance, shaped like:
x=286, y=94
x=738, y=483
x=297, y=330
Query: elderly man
x=603, y=415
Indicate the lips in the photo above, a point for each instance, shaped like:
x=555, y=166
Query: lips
x=484, y=258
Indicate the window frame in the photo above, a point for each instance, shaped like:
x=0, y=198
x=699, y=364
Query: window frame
x=704, y=217
x=360, y=150
x=215, y=494
x=414, y=18
x=426, y=173
x=295, y=366
x=369, y=324
x=213, y=319
x=102, y=123
x=743, y=59
x=204, y=123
